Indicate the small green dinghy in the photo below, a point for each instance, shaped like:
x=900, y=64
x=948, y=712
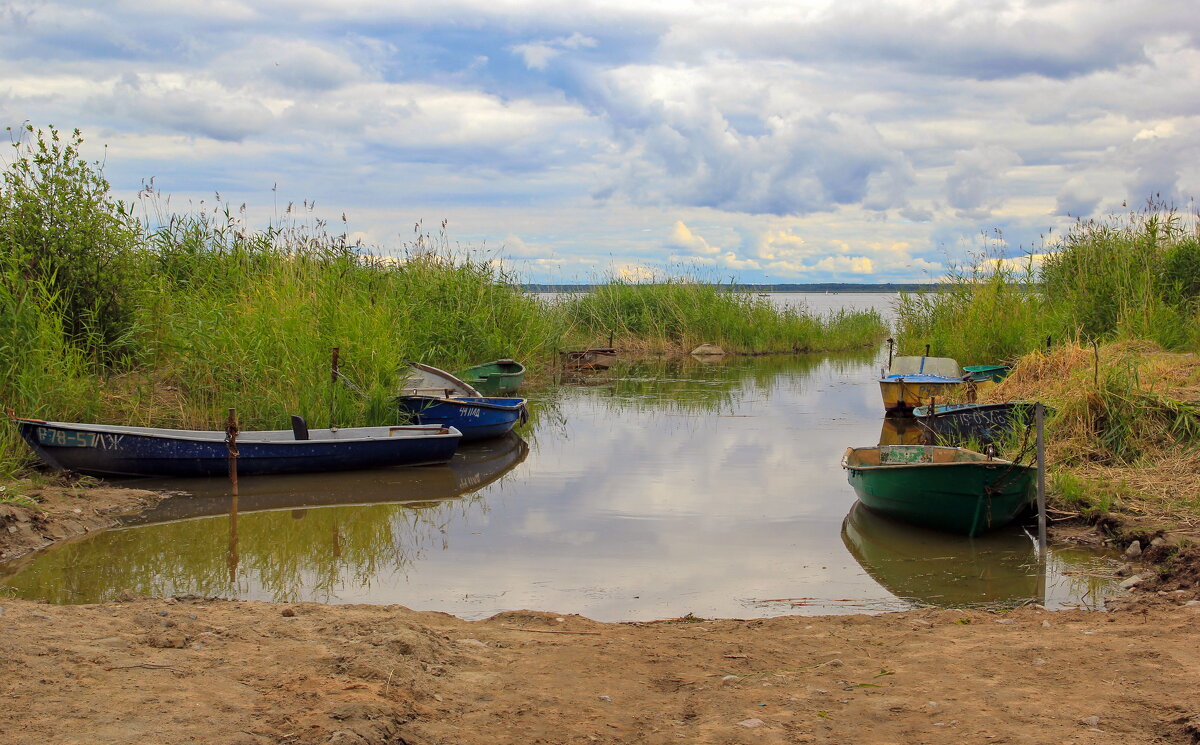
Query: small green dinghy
x=946, y=488
x=981, y=373
x=496, y=378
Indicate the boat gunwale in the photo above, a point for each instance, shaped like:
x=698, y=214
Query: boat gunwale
x=469, y=401
x=990, y=463
x=247, y=437
x=439, y=373
x=503, y=364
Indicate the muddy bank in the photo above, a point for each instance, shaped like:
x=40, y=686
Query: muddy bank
x=221, y=672
x=63, y=512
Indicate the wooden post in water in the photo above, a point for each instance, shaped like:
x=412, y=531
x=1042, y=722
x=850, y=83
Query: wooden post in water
x=891, y=347
x=231, y=433
x=1039, y=417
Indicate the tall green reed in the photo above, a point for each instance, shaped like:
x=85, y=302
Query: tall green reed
x=989, y=311
x=255, y=327
x=1132, y=276
x=683, y=312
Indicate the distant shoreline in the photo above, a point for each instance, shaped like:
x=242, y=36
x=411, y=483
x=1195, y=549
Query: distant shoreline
x=823, y=287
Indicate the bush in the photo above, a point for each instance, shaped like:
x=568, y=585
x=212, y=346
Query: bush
x=59, y=226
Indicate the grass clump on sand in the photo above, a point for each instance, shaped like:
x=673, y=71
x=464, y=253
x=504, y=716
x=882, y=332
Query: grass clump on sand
x=682, y=313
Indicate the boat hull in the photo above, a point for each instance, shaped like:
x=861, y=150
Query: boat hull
x=982, y=373
x=494, y=379
x=478, y=418
x=984, y=423
x=901, y=395
x=964, y=498
x=143, y=451
x=590, y=359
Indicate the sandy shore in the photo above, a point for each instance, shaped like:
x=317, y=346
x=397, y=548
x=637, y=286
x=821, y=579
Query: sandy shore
x=183, y=670
x=209, y=671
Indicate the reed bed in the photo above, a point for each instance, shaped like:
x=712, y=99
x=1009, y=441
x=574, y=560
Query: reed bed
x=682, y=313
x=1127, y=277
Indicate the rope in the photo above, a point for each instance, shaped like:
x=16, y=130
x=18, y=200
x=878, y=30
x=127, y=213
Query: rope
x=1025, y=451
x=350, y=384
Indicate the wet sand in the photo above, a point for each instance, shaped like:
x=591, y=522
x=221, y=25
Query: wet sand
x=180, y=670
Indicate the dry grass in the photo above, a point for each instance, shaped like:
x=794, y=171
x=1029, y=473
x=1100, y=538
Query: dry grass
x=1126, y=422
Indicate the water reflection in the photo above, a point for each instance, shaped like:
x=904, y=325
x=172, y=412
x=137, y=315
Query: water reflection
x=901, y=430
x=665, y=488
x=998, y=568
x=474, y=466
x=937, y=568
x=282, y=539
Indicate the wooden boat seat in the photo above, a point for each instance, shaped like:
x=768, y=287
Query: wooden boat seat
x=894, y=455
x=299, y=427
x=906, y=454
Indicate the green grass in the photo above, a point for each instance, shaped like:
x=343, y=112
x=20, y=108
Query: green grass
x=682, y=313
x=1133, y=276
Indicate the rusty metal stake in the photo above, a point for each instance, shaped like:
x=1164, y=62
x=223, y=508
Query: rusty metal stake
x=1039, y=417
x=231, y=433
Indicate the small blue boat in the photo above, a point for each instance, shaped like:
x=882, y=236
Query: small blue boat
x=477, y=417
x=146, y=451
x=984, y=423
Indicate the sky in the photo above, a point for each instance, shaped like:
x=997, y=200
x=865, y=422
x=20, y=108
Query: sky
x=758, y=141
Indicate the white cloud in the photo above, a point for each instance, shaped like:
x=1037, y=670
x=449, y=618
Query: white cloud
x=972, y=185
x=813, y=139
x=514, y=247
x=537, y=54
x=683, y=239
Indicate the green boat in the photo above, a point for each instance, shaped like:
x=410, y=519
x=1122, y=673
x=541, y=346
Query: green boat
x=497, y=378
x=951, y=489
x=994, y=373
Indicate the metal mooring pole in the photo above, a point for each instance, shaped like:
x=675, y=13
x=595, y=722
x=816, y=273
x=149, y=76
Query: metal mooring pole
x=1039, y=418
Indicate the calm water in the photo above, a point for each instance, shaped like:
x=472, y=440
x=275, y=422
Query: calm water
x=654, y=491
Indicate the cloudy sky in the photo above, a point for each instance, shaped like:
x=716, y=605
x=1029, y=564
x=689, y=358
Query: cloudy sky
x=760, y=140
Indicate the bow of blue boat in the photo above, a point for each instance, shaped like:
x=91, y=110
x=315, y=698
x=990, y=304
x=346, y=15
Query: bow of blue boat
x=477, y=417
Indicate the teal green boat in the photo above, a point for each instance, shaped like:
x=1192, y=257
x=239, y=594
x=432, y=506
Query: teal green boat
x=951, y=489
x=980, y=373
x=497, y=378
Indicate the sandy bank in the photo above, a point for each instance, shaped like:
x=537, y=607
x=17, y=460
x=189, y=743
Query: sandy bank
x=195, y=670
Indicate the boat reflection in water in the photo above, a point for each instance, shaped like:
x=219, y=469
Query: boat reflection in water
x=903, y=430
x=930, y=567
x=997, y=569
x=473, y=467
x=320, y=537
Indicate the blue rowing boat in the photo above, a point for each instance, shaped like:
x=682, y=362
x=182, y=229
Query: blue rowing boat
x=477, y=417
x=956, y=424
x=146, y=451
